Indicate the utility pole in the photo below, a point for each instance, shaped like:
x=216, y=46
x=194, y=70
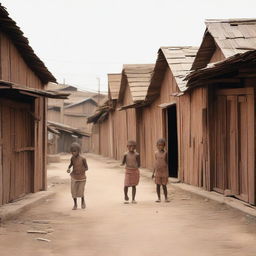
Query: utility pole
x=98, y=90
x=98, y=105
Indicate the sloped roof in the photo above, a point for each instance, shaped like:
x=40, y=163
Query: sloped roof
x=66, y=128
x=232, y=36
x=59, y=87
x=101, y=113
x=230, y=66
x=9, y=27
x=137, y=77
x=32, y=91
x=81, y=102
x=180, y=60
x=114, y=83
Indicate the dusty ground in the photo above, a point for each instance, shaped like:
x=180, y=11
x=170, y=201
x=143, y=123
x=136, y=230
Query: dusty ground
x=187, y=226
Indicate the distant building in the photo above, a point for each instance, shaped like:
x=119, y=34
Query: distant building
x=72, y=112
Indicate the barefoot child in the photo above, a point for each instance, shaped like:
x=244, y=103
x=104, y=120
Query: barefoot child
x=131, y=160
x=78, y=177
x=161, y=170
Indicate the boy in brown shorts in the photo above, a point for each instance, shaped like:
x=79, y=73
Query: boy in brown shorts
x=131, y=160
x=78, y=177
x=160, y=172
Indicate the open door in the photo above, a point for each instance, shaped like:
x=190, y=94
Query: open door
x=172, y=143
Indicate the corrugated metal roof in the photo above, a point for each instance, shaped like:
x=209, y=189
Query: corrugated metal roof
x=232, y=36
x=180, y=60
x=114, y=83
x=138, y=78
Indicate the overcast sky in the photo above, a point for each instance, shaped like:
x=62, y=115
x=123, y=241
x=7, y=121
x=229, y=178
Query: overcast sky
x=81, y=40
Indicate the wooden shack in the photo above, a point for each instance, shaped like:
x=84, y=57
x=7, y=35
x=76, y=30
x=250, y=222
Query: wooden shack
x=73, y=112
x=230, y=108
x=166, y=114
x=61, y=136
x=120, y=125
x=23, y=107
x=102, y=119
x=76, y=115
x=133, y=90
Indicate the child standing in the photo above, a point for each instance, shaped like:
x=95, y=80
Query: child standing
x=78, y=177
x=131, y=160
x=161, y=170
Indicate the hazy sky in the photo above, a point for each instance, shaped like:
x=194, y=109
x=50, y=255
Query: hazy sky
x=81, y=40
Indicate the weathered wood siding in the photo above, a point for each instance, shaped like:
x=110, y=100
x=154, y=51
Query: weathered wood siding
x=13, y=67
x=79, y=122
x=232, y=147
x=23, y=129
x=191, y=152
x=153, y=122
x=192, y=137
x=76, y=116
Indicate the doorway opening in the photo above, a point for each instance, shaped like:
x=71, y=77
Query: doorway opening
x=172, y=144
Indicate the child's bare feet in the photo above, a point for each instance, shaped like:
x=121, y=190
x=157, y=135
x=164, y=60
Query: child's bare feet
x=158, y=201
x=74, y=207
x=134, y=202
x=126, y=198
x=167, y=200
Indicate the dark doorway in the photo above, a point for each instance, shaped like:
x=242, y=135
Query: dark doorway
x=172, y=141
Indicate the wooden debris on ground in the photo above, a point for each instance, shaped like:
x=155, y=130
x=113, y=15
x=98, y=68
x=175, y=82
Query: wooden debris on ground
x=36, y=232
x=43, y=239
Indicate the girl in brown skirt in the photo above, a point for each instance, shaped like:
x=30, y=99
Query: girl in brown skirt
x=131, y=160
x=78, y=177
x=161, y=170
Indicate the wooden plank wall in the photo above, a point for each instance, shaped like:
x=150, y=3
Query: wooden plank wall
x=23, y=171
x=193, y=155
x=13, y=67
x=40, y=147
x=152, y=123
x=105, y=149
x=117, y=130
x=94, y=140
x=191, y=140
x=80, y=122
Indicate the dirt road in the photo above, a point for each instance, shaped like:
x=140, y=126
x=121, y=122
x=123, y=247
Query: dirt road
x=187, y=226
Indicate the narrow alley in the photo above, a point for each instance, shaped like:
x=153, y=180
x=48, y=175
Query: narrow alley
x=188, y=225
